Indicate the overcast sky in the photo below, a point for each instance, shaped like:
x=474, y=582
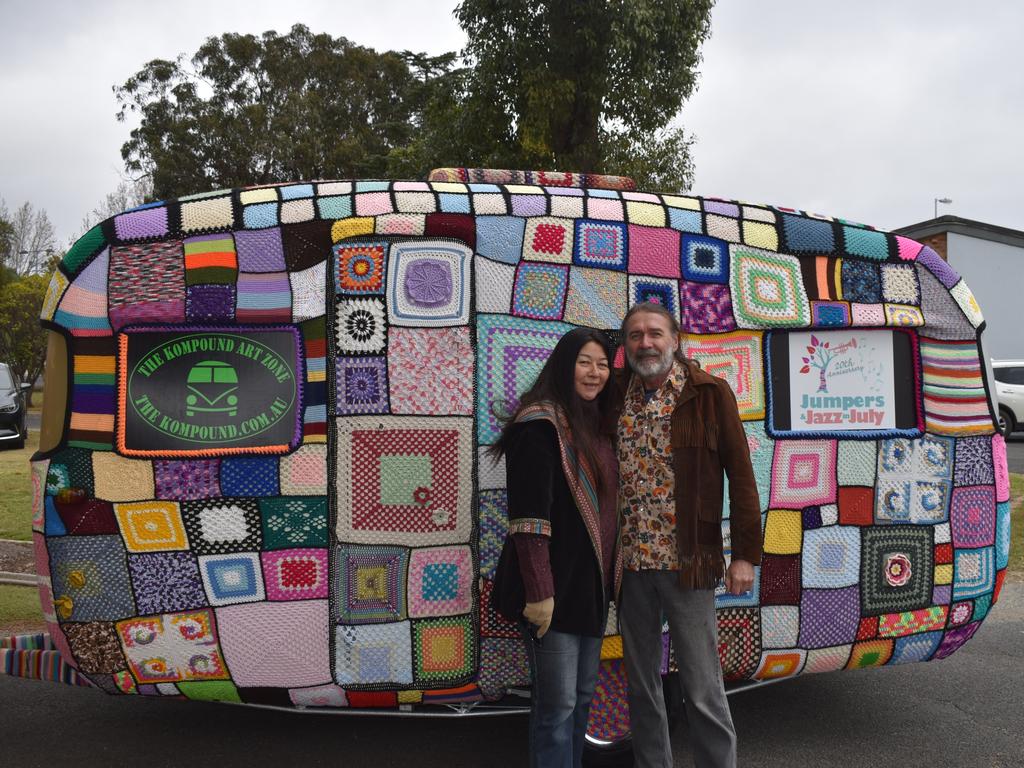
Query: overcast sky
x=865, y=110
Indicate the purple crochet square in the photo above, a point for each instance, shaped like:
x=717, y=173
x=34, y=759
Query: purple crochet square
x=136, y=225
x=829, y=617
x=529, y=205
x=722, y=208
x=260, y=250
x=210, y=303
x=938, y=267
x=955, y=638
x=196, y=479
x=362, y=385
x=942, y=594
x=706, y=307
x=164, y=582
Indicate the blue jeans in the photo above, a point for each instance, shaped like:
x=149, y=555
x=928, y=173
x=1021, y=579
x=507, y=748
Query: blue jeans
x=564, y=676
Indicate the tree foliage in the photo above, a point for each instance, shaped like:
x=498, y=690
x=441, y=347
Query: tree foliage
x=22, y=341
x=252, y=110
x=586, y=85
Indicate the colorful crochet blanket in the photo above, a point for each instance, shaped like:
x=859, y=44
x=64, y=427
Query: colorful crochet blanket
x=271, y=484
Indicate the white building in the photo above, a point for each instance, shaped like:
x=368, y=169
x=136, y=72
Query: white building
x=991, y=260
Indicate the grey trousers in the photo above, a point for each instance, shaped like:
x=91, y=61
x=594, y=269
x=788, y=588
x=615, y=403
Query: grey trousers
x=694, y=631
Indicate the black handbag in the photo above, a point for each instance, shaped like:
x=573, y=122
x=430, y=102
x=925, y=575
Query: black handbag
x=509, y=592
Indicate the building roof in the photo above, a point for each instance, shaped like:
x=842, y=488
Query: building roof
x=966, y=227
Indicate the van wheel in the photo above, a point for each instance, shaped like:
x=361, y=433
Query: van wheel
x=1006, y=422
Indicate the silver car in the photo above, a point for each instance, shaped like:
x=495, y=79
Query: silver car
x=1009, y=376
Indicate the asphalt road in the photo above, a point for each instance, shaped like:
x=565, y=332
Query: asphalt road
x=967, y=710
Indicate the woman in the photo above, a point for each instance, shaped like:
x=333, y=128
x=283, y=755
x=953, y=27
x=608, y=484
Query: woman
x=562, y=486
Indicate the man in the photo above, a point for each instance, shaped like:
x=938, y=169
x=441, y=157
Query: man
x=679, y=430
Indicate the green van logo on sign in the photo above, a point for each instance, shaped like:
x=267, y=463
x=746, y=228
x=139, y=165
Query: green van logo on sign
x=211, y=392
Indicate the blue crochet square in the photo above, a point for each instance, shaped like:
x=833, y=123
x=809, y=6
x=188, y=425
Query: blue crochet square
x=685, y=220
x=830, y=314
x=249, y=476
x=452, y=203
x=500, y=237
x=440, y=581
x=662, y=291
x=861, y=282
x=600, y=244
x=260, y=215
x=805, y=235
x=866, y=243
x=539, y=291
x=705, y=259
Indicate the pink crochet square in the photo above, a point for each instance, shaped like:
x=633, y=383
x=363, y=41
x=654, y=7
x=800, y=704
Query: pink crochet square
x=430, y=370
x=276, y=644
x=295, y=574
x=440, y=581
x=654, y=251
x=1001, y=470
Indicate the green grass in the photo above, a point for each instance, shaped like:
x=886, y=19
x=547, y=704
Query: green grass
x=19, y=607
x=1016, y=565
x=16, y=491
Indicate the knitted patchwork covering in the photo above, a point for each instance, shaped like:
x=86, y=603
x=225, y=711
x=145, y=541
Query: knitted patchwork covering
x=355, y=569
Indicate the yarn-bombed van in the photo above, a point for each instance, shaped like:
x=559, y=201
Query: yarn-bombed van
x=262, y=473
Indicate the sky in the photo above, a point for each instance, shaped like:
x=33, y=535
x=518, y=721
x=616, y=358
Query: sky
x=866, y=111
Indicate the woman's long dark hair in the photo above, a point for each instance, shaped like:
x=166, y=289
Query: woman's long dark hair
x=556, y=383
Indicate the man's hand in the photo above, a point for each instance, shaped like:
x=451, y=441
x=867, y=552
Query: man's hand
x=539, y=614
x=739, y=578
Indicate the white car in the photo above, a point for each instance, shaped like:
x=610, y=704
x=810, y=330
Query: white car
x=1009, y=376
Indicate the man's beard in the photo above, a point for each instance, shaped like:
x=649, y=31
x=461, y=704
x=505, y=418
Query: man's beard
x=651, y=365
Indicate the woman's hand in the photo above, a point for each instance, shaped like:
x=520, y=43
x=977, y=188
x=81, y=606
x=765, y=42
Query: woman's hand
x=539, y=614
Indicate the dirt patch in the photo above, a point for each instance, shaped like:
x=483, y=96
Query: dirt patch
x=17, y=557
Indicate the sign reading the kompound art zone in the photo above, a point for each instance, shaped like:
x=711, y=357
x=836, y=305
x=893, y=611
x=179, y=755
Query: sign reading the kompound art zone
x=208, y=392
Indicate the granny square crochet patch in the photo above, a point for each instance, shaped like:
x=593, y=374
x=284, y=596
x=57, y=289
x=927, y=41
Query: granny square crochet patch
x=404, y=480
x=767, y=290
x=373, y=654
x=440, y=581
x=431, y=371
x=896, y=569
x=539, y=291
x=359, y=326
x=548, y=239
x=596, y=298
x=172, y=647
x=428, y=283
x=706, y=308
x=370, y=584
x=601, y=244
x=294, y=521
x=658, y=290
x=444, y=651
x=295, y=574
x=705, y=259
x=803, y=473
x=236, y=578
x=90, y=579
x=737, y=358
x=359, y=268
x=362, y=385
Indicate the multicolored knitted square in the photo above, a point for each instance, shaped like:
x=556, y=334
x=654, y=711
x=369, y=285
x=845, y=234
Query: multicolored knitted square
x=658, y=290
x=146, y=284
x=295, y=574
x=706, y=307
x=767, y=290
x=359, y=268
x=276, y=645
x=510, y=352
x=172, y=647
x=444, y=651
x=362, y=385
x=775, y=665
x=294, y=521
x=165, y=582
x=548, y=239
x=493, y=516
x=737, y=358
x=739, y=641
x=914, y=479
x=210, y=303
x=373, y=654
x=440, y=581
x=601, y=244
x=369, y=584
x=431, y=371
x=95, y=647
x=304, y=471
x=705, y=259
x=210, y=260
x=264, y=297
x=404, y=480
x=596, y=297
x=972, y=516
x=229, y=579
x=223, y=525
x=539, y=291
x=896, y=568
x=428, y=283
x=90, y=578
x=803, y=473
x=359, y=326
x=861, y=281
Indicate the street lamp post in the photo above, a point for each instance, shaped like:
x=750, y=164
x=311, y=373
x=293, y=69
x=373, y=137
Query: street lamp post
x=944, y=201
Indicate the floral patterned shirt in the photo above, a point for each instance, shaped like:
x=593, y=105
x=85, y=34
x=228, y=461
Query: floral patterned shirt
x=646, y=479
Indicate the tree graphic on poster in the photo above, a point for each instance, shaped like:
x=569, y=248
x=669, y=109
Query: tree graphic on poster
x=820, y=357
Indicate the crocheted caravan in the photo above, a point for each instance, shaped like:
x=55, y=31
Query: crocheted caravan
x=262, y=476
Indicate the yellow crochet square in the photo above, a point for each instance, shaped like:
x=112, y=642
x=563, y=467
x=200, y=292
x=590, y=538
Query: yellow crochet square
x=687, y=203
x=648, y=214
x=151, y=526
x=410, y=697
x=352, y=227
x=250, y=196
x=782, y=532
x=216, y=213
x=760, y=235
x=611, y=647
x=121, y=479
x=944, y=574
